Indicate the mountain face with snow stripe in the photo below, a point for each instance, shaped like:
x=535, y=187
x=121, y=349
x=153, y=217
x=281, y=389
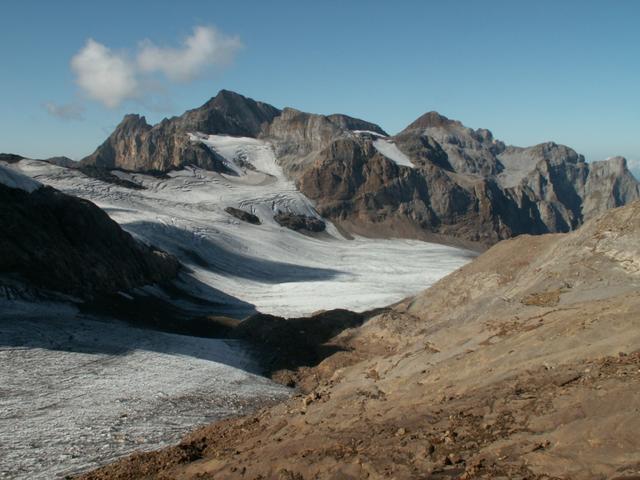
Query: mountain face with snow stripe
x=435, y=179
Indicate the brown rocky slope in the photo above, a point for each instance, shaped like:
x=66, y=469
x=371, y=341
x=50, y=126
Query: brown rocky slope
x=523, y=364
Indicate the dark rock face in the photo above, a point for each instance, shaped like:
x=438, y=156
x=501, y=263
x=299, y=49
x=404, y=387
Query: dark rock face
x=228, y=113
x=137, y=146
x=609, y=184
x=300, y=222
x=468, y=151
x=242, y=215
x=62, y=243
x=10, y=157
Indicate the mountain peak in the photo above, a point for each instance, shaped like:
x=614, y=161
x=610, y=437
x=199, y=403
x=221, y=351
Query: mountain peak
x=132, y=120
x=231, y=113
x=230, y=101
x=432, y=119
x=226, y=96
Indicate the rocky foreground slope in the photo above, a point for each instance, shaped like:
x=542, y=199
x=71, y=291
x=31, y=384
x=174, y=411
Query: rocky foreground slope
x=437, y=179
x=523, y=364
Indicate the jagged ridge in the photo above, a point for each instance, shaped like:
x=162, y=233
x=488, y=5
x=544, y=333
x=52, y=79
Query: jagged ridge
x=465, y=185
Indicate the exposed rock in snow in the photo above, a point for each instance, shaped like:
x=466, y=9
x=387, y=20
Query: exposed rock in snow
x=300, y=222
x=392, y=152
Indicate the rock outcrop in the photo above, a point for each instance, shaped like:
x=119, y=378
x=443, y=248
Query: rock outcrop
x=243, y=215
x=298, y=223
x=62, y=243
x=298, y=136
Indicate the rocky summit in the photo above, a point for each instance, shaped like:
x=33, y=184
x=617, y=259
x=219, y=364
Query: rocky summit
x=436, y=179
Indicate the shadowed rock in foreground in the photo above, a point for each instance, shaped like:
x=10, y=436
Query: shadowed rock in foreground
x=523, y=364
x=63, y=243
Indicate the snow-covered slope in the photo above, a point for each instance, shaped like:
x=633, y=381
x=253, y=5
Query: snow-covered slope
x=277, y=270
x=76, y=392
x=13, y=179
x=392, y=152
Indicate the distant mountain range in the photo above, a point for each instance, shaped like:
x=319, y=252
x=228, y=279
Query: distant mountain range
x=437, y=179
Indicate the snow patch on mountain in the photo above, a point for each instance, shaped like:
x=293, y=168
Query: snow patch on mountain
x=237, y=151
x=392, y=152
x=14, y=179
x=368, y=132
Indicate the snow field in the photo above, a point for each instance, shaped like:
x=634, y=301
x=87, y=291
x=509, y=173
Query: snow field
x=276, y=270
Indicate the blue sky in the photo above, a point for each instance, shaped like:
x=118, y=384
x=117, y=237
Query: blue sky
x=567, y=71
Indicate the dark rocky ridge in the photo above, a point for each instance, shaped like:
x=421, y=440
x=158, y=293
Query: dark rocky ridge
x=300, y=222
x=465, y=185
x=62, y=243
x=10, y=157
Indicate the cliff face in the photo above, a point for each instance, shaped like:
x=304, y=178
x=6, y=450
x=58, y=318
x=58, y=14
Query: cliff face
x=447, y=180
x=65, y=244
x=460, y=183
x=609, y=185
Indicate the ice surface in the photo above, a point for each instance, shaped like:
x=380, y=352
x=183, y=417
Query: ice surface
x=76, y=392
x=13, y=179
x=392, y=152
x=277, y=270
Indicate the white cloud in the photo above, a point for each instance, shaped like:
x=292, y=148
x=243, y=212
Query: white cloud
x=104, y=75
x=65, y=111
x=110, y=77
x=206, y=47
